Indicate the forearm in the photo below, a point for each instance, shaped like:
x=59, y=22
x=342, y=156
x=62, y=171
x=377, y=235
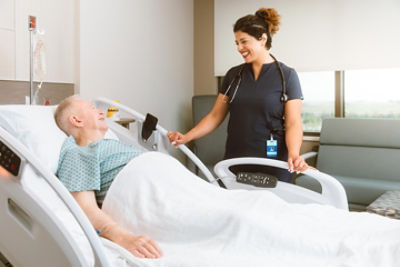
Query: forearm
x=140, y=246
x=103, y=223
x=105, y=226
x=294, y=138
x=208, y=124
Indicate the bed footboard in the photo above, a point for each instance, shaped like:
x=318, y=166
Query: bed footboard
x=333, y=192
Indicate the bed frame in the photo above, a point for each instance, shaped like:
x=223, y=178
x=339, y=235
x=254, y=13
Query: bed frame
x=31, y=236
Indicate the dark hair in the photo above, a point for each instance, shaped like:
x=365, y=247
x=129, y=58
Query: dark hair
x=265, y=20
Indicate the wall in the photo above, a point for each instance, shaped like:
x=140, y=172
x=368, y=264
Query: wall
x=15, y=92
x=7, y=39
x=318, y=35
x=204, y=80
x=140, y=52
x=56, y=18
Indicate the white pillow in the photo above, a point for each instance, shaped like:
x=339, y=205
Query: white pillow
x=36, y=128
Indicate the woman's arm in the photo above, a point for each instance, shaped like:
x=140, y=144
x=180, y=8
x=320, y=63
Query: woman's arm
x=208, y=124
x=140, y=246
x=294, y=135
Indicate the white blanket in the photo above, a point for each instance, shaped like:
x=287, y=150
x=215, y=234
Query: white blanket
x=198, y=224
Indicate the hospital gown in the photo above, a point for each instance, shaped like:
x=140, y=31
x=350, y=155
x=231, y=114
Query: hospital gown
x=93, y=167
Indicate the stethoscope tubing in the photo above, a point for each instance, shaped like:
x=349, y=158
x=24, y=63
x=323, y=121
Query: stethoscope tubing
x=238, y=77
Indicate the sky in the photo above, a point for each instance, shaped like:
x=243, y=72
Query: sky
x=379, y=85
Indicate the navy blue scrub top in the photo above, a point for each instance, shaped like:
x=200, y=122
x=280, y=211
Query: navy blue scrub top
x=257, y=109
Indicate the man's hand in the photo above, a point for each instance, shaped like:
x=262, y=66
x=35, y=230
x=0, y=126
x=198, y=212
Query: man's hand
x=140, y=246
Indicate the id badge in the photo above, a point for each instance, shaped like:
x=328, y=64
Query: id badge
x=272, y=148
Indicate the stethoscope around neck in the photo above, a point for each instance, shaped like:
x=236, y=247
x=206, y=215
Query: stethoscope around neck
x=238, y=77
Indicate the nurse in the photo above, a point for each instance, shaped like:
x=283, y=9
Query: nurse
x=263, y=97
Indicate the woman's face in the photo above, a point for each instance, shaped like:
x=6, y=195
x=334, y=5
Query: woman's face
x=249, y=47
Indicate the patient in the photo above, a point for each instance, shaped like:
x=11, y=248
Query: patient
x=89, y=163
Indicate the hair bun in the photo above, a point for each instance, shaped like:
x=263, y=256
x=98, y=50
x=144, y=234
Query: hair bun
x=271, y=17
x=262, y=13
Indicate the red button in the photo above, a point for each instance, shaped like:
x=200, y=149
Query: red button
x=12, y=166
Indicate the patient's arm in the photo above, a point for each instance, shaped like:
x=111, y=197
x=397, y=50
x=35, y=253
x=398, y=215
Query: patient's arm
x=140, y=246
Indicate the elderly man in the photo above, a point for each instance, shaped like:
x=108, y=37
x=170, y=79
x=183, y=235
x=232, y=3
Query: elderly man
x=89, y=163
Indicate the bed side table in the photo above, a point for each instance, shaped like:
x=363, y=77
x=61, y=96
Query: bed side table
x=388, y=204
x=125, y=122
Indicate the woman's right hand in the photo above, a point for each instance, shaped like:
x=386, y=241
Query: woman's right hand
x=176, y=138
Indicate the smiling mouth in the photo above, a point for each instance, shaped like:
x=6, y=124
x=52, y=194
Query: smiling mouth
x=245, y=54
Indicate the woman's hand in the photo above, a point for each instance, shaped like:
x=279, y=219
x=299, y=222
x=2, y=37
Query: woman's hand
x=297, y=164
x=140, y=246
x=176, y=138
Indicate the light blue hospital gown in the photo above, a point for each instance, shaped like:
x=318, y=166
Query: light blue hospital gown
x=93, y=167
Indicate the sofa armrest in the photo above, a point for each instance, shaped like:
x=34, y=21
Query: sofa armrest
x=309, y=155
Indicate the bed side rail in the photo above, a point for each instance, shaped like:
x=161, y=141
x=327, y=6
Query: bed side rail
x=28, y=158
x=163, y=142
x=333, y=192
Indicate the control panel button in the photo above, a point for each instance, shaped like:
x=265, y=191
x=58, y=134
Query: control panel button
x=9, y=160
x=256, y=179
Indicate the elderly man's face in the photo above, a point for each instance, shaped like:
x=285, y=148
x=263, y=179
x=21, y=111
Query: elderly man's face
x=91, y=117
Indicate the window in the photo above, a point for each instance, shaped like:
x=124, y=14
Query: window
x=372, y=93
x=319, y=98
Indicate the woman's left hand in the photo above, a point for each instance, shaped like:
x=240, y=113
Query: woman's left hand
x=297, y=164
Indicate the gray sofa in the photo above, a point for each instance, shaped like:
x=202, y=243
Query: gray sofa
x=362, y=154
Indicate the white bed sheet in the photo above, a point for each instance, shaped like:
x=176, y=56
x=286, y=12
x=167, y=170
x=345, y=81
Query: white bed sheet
x=197, y=224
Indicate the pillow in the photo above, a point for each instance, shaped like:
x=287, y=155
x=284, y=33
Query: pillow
x=36, y=128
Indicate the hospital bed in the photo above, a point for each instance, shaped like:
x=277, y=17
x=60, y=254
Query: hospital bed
x=42, y=225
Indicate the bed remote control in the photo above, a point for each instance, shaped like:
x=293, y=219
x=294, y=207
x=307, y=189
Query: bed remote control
x=256, y=179
x=9, y=160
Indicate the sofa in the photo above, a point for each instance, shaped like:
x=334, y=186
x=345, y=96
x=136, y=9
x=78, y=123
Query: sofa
x=362, y=154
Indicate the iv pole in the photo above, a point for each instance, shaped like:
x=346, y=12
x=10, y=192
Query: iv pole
x=32, y=29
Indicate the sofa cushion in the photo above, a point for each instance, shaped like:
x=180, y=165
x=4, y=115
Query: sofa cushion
x=383, y=133
x=360, y=162
x=359, y=191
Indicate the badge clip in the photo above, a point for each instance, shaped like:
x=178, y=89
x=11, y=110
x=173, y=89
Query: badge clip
x=272, y=147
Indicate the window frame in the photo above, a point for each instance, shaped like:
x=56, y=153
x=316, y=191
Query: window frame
x=339, y=102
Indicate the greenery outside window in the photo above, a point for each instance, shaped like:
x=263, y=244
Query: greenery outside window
x=372, y=93
x=319, y=98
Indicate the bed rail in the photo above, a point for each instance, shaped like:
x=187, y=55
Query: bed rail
x=163, y=142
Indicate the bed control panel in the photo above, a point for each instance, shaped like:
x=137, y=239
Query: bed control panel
x=9, y=160
x=256, y=179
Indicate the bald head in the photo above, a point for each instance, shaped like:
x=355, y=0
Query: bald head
x=65, y=109
x=81, y=119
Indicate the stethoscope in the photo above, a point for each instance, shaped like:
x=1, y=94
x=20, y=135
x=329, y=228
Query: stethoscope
x=238, y=77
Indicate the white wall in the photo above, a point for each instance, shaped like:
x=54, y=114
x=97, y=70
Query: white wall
x=318, y=35
x=56, y=18
x=7, y=39
x=140, y=52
